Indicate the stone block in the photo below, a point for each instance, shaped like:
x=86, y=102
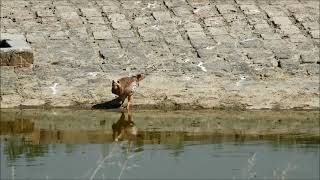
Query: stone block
x=124, y=34
x=268, y=62
x=162, y=16
x=235, y=19
x=312, y=69
x=64, y=9
x=309, y=57
x=131, y=5
x=207, y=53
x=289, y=30
x=154, y=5
x=296, y=8
x=110, y=9
x=311, y=25
x=196, y=35
x=59, y=35
x=290, y=66
x=193, y=27
x=45, y=13
x=168, y=28
x=175, y=3
x=315, y=34
x=283, y=53
x=251, y=43
x=241, y=2
x=199, y=40
x=36, y=37
x=116, y=17
x=274, y=11
x=299, y=38
x=143, y=21
x=121, y=25
x=279, y=47
x=281, y=21
x=257, y=19
x=129, y=42
x=15, y=51
x=218, y=30
x=226, y=8
x=22, y=15
x=261, y=57
x=96, y=20
x=262, y=28
x=250, y=9
x=270, y=36
x=304, y=17
x=201, y=43
x=71, y=18
x=90, y=12
x=110, y=43
x=111, y=53
x=205, y=11
x=148, y=34
x=176, y=40
x=182, y=11
x=196, y=3
x=225, y=41
x=102, y=35
x=214, y=21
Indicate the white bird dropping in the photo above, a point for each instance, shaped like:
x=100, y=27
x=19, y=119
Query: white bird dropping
x=54, y=88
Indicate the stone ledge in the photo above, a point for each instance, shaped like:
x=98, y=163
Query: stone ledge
x=15, y=51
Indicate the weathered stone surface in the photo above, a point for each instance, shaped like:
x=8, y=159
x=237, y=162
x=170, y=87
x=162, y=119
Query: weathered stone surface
x=199, y=40
x=315, y=34
x=162, y=16
x=149, y=34
x=195, y=53
x=310, y=57
x=281, y=21
x=60, y=35
x=205, y=11
x=270, y=36
x=289, y=30
x=274, y=11
x=218, y=30
x=182, y=11
x=250, y=9
x=214, y=21
x=129, y=42
x=100, y=35
x=121, y=25
x=96, y=20
x=226, y=8
x=251, y=43
x=263, y=28
x=90, y=12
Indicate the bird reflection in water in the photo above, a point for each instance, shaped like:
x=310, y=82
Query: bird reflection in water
x=126, y=130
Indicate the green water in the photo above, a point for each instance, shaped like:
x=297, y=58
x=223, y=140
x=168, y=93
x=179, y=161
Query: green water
x=80, y=144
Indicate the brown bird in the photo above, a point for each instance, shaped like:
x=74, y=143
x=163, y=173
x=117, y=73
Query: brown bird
x=126, y=86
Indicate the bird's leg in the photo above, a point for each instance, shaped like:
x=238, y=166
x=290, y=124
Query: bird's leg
x=122, y=99
x=129, y=102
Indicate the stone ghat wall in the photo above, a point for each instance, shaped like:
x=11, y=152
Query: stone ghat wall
x=196, y=53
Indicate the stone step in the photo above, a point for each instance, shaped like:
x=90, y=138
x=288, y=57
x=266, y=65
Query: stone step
x=15, y=51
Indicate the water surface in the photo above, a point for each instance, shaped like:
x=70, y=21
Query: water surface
x=75, y=144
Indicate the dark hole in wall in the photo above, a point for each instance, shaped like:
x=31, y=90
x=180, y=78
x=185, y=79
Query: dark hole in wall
x=4, y=44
